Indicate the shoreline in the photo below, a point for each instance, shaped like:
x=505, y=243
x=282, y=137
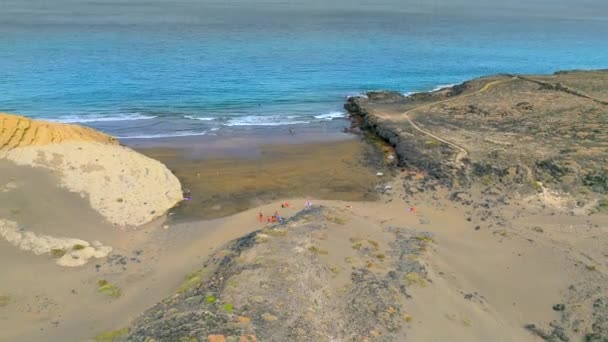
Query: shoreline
x=225, y=175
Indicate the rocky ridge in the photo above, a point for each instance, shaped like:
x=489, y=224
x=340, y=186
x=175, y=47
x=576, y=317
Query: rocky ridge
x=286, y=283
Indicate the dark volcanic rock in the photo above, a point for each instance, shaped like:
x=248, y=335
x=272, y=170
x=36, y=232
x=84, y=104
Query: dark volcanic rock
x=277, y=285
x=512, y=130
x=600, y=323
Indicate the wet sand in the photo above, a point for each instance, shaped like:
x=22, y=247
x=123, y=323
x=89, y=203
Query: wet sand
x=225, y=176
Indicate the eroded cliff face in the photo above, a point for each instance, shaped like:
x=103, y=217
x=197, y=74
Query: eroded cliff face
x=411, y=147
x=19, y=131
x=127, y=188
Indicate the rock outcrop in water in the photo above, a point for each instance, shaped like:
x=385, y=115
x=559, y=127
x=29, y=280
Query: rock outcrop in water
x=126, y=187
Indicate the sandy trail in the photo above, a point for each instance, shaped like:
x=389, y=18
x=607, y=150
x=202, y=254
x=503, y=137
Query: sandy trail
x=462, y=152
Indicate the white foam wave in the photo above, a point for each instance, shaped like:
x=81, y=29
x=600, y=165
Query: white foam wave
x=100, y=118
x=192, y=117
x=166, y=135
x=362, y=95
x=443, y=86
x=330, y=116
x=258, y=120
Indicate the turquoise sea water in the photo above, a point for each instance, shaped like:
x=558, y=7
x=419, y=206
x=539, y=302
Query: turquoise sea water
x=196, y=69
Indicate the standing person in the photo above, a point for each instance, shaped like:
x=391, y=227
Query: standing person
x=261, y=217
x=292, y=132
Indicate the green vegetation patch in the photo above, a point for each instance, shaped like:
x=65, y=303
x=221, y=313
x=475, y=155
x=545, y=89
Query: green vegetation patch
x=78, y=247
x=317, y=250
x=275, y=232
x=193, y=279
x=261, y=238
x=211, y=299
x=58, y=252
x=228, y=308
x=108, y=289
x=4, y=300
x=432, y=143
x=486, y=180
x=537, y=186
x=111, y=336
x=602, y=205
x=414, y=278
x=597, y=182
x=425, y=239
x=371, y=244
x=338, y=220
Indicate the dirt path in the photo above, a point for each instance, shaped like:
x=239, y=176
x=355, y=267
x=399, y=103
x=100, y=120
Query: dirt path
x=462, y=152
x=563, y=88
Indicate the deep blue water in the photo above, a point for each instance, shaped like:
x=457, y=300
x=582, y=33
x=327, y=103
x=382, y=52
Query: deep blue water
x=181, y=75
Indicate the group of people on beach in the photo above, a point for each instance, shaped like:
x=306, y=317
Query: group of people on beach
x=276, y=217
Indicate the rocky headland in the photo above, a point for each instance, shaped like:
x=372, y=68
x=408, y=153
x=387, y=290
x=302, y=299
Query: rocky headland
x=524, y=133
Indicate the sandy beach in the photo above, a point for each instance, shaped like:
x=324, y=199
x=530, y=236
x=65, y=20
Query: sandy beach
x=227, y=175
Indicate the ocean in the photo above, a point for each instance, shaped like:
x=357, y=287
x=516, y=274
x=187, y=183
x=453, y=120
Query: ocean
x=153, y=69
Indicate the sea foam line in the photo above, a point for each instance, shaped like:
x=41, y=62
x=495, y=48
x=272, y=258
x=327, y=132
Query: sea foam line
x=100, y=118
x=443, y=86
x=261, y=120
x=168, y=135
x=330, y=115
x=192, y=117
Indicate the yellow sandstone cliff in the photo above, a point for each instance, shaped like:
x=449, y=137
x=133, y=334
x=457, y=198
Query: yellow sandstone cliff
x=19, y=131
x=127, y=188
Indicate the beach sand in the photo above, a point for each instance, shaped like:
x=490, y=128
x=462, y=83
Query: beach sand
x=228, y=175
